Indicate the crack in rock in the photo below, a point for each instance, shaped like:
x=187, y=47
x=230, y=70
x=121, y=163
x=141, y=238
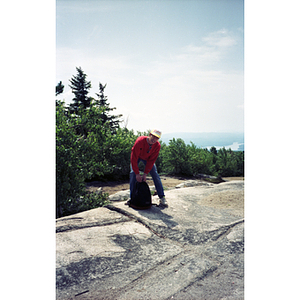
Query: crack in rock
x=70, y=227
x=190, y=235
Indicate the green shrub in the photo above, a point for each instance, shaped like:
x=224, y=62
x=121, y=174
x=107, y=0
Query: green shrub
x=84, y=202
x=69, y=172
x=87, y=149
x=176, y=158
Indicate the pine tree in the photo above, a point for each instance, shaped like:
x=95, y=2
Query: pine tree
x=59, y=88
x=80, y=88
x=113, y=120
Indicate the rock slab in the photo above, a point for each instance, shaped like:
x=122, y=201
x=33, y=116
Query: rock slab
x=194, y=249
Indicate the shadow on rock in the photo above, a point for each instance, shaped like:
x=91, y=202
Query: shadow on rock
x=155, y=213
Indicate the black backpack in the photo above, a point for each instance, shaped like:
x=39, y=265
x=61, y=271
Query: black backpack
x=141, y=196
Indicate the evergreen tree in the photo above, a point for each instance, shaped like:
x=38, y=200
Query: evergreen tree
x=59, y=88
x=113, y=120
x=213, y=150
x=80, y=88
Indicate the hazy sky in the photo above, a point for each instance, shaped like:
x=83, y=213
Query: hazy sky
x=171, y=64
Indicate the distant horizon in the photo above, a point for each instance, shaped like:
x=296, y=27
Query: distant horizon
x=190, y=132
x=232, y=140
x=196, y=132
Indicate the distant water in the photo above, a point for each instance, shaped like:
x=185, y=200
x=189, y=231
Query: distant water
x=234, y=147
x=234, y=141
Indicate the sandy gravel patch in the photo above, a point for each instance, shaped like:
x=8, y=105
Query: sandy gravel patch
x=233, y=200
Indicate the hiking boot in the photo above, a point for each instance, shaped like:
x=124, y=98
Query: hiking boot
x=163, y=202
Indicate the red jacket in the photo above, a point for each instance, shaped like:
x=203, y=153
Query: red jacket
x=139, y=150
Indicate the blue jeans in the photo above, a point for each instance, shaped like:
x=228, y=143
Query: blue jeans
x=154, y=175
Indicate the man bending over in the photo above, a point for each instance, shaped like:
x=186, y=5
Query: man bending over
x=146, y=150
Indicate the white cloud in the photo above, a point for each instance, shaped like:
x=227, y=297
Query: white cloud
x=193, y=59
x=222, y=38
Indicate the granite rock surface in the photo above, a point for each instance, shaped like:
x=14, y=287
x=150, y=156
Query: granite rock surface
x=194, y=249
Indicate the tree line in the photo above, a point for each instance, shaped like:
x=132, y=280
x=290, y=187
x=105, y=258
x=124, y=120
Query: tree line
x=91, y=145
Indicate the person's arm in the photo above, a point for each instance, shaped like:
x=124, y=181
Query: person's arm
x=135, y=151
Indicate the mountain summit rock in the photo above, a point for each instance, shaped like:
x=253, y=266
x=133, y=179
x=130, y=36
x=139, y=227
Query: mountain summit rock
x=194, y=249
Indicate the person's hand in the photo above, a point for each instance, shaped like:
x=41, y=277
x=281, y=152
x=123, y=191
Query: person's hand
x=144, y=177
x=139, y=178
